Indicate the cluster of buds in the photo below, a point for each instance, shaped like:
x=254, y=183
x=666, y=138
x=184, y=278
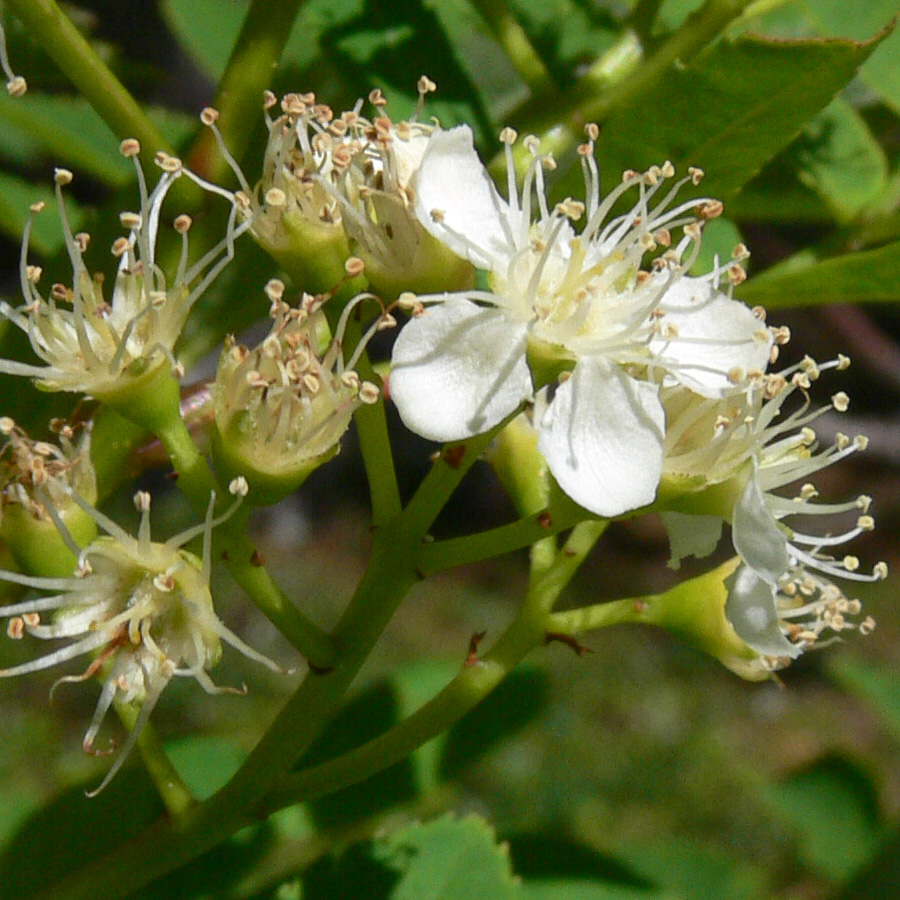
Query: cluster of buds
x=38, y=479
x=336, y=185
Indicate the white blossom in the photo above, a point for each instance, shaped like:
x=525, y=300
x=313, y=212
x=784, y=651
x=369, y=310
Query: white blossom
x=578, y=317
x=783, y=597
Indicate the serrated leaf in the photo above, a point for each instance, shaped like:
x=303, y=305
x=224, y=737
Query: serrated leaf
x=732, y=108
x=841, y=160
x=860, y=20
x=873, y=275
x=834, y=809
x=449, y=859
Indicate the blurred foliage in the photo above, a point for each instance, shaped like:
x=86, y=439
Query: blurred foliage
x=641, y=772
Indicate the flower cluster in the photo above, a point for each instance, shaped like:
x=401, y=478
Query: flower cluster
x=647, y=384
x=143, y=611
x=576, y=318
x=336, y=185
x=783, y=598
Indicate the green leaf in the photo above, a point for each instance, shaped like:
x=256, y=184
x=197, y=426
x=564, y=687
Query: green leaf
x=720, y=237
x=449, y=859
x=207, y=30
x=72, y=830
x=555, y=867
x=873, y=275
x=579, y=889
x=732, y=108
x=693, y=871
x=861, y=20
x=876, y=684
x=834, y=809
x=16, y=196
x=205, y=762
x=841, y=160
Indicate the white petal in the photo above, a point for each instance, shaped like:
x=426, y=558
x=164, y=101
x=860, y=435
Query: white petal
x=753, y=614
x=602, y=437
x=457, y=202
x=458, y=370
x=691, y=535
x=715, y=335
x=756, y=535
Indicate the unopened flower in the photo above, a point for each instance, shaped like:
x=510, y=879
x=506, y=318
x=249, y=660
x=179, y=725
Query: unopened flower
x=336, y=185
x=582, y=310
x=282, y=407
x=784, y=594
x=111, y=349
x=143, y=611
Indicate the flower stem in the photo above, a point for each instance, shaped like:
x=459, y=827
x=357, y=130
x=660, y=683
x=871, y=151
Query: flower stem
x=514, y=40
x=527, y=631
x=387, y=579
x=243, y=561
x=173, y=791
x=76, y=58
x=599, y=615
x=254, y=58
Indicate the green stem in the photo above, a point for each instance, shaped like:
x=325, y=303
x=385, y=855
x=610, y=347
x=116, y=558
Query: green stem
x=600, y=615
x=440, y=555
x=57, y=35
x=514, y=40
x=242, y=559
x=251, y=66
x=387, y=579
x=370, y=421
x=527, y=631
x=173, y=791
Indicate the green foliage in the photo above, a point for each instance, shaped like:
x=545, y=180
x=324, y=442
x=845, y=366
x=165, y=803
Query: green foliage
x=855, y=277
x=834, y=808
x=728, y=111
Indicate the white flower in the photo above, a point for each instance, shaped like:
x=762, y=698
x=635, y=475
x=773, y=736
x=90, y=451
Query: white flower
x=102, y=348
x=142, y=609
x=576, y=304
x=282, y=408
x=783, y=597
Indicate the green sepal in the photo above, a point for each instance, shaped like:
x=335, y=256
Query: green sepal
x=271, y=476
x=37, y=545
